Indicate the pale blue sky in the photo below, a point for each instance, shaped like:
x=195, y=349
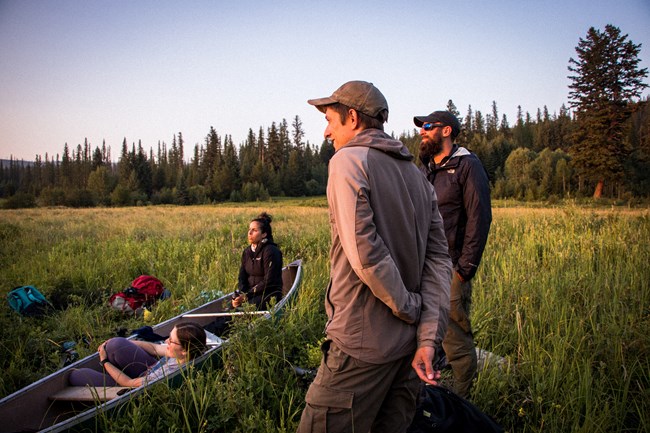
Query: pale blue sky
x=146, y=70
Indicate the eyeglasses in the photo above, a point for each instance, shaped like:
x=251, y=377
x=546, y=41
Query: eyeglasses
x=432, y=126
x=169, y=340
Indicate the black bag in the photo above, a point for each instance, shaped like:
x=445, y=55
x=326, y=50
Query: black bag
x=441, y=411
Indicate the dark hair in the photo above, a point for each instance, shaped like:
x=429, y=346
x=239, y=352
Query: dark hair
x=192, y=338
x=264, y=220
x=365, y=121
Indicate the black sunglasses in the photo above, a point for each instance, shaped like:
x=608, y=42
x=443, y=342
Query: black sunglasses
x=431, y=126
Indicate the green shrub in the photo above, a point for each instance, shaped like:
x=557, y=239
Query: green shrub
x=52, y=196
x=20, y=200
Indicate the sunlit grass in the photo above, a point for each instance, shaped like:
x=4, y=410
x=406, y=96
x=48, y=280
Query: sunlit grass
x=561, y=293
x=564, y=295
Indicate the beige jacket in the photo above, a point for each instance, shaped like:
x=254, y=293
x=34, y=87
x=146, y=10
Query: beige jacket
x=390, y=267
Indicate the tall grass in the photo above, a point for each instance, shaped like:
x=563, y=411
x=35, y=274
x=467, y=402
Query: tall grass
x=562, y=294
x=78, y=258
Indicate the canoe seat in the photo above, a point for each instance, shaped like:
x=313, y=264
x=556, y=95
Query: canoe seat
x=287, y=280
x=88, y=393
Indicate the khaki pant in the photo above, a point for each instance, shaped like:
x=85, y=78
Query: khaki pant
x=459, y=341
x=349, y=395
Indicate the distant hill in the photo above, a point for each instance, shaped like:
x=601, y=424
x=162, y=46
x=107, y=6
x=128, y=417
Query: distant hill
x=5, y=162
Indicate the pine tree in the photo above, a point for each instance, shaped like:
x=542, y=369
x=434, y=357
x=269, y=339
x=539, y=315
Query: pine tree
x=521, y=133
x=504, y=127
x=274, y=153
x=261, y=146
x=606, y=79
x=451, y=107
x=142, y=169
x=65, y=167
x=492, y=122
x=98, y=159
x=467, y=130
x=195, y=165
x=124, y=165
x=248, y=155
x=298, y=132
x=226, y=178
x=285, y=142
x=479, y=123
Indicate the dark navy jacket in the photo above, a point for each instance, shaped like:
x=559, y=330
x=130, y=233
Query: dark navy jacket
x=463, y=191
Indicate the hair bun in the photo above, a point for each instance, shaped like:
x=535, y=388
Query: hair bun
x=265, y=216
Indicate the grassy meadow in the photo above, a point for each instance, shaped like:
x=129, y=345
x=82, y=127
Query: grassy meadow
x=562, y=294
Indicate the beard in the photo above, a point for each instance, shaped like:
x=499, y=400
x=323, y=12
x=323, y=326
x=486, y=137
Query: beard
x=430, y=146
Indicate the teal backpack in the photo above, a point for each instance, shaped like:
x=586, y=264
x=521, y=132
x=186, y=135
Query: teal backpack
x=28, y=301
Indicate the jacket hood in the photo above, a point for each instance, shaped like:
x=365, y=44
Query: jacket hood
x=377, y=139
x=460, y=151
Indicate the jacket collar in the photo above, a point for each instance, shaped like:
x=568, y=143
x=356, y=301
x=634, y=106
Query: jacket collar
x=378, y=139
x=450, y=161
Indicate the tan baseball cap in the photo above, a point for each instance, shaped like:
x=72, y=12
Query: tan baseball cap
x=360, y=95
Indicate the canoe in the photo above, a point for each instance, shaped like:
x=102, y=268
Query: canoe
x=51, y=405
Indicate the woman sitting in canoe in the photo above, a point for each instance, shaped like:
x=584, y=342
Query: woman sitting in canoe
x=133, y=363
x=260, y=274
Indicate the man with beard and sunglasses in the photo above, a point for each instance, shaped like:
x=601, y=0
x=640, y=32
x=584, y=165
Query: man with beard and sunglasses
x=463, y=191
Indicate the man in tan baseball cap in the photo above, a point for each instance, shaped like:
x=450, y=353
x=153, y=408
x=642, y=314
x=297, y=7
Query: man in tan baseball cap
x=358, y=101
x=360, y=95
x=388, y=298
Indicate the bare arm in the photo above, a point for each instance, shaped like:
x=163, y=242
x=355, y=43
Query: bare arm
x=154, y=349
x=121, y=378
x=118, y=375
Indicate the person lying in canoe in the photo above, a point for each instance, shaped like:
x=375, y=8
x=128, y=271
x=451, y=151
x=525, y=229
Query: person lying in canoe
x=133, y=363
x=260, y=274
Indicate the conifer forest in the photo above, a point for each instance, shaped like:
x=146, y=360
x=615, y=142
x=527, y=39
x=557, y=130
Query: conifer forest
x=598, y=146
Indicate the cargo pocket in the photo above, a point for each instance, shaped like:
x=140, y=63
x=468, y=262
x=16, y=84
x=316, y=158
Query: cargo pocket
x=328, y=410
x=458, y=315
x=460, y=301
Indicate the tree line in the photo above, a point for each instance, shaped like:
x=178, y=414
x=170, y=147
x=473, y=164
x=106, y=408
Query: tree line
x=602, y=147
x=534, y=158
x=274, y=162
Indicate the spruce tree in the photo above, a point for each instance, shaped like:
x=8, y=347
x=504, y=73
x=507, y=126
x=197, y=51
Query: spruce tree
x=451, y=107
x=606, y=79
x=274, y=146
x=492, y=122
x=298, y=132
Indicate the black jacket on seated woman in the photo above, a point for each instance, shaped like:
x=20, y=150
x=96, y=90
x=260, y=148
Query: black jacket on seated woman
x=260, y=275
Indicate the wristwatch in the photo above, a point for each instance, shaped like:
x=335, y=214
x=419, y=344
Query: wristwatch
x=103, y=363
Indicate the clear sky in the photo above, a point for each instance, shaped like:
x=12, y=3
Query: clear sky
x=146, y=70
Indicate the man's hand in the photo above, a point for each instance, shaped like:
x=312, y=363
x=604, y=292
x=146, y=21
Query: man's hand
x=423, y=365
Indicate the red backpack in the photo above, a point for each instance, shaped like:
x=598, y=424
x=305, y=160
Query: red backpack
x=144, y=292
